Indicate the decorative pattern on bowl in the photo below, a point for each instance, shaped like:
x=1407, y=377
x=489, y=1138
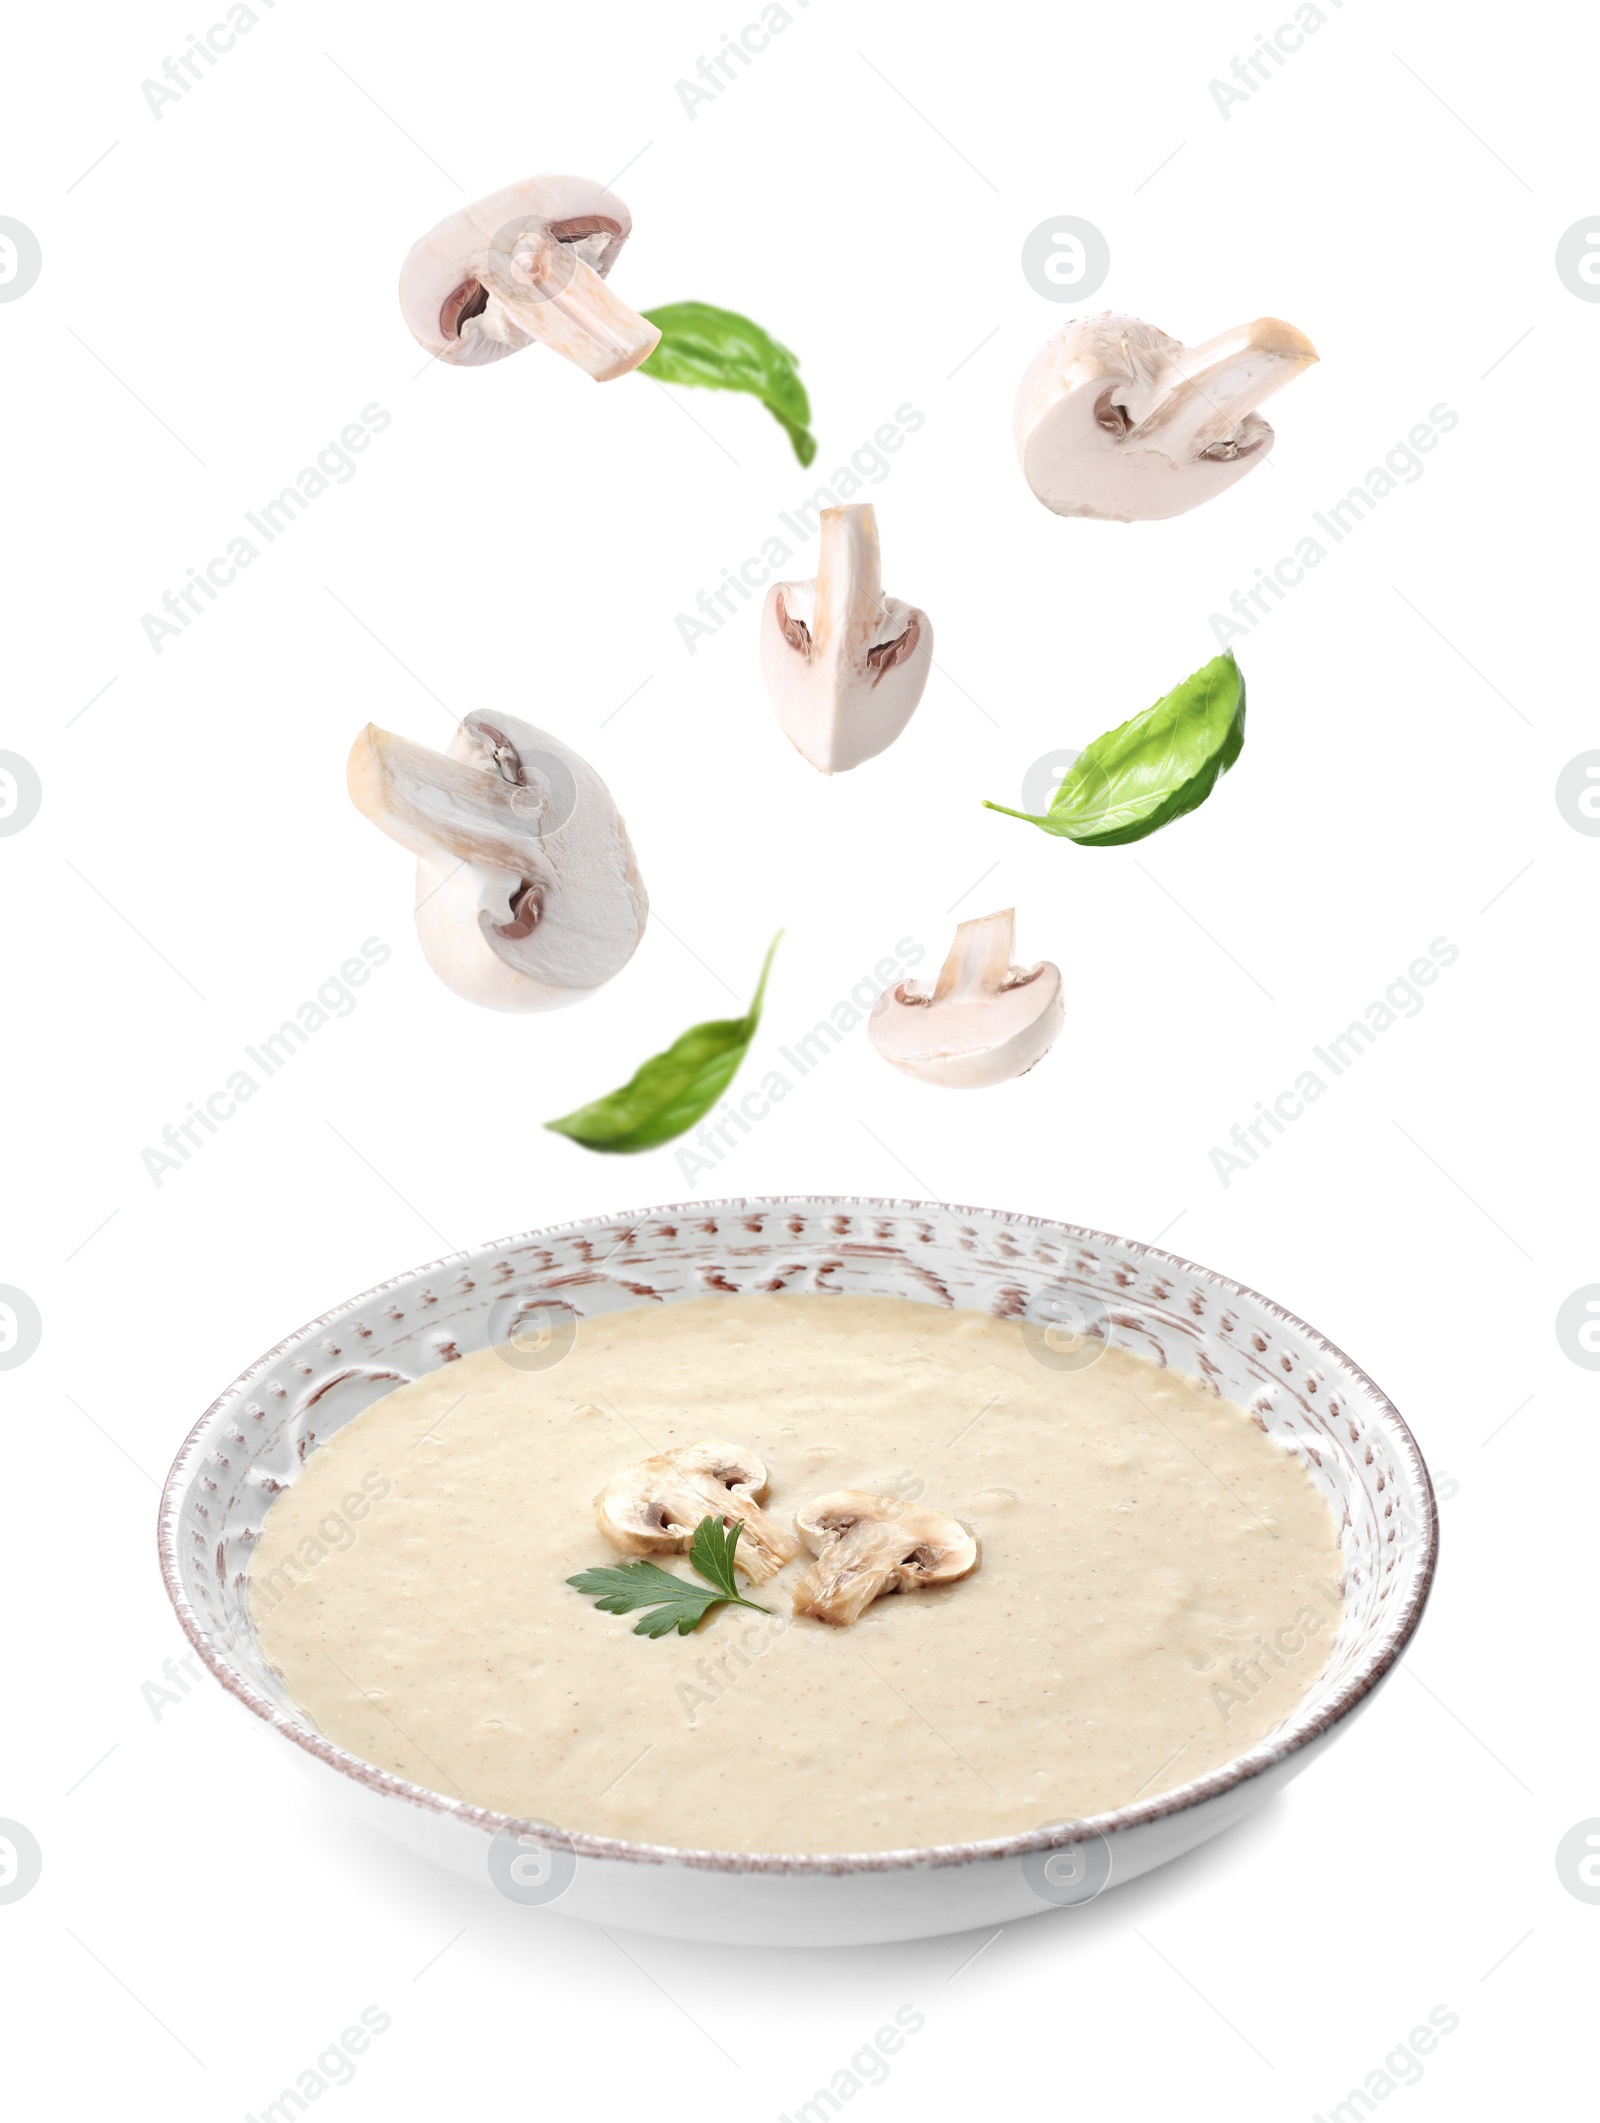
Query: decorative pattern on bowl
x=252, y=1442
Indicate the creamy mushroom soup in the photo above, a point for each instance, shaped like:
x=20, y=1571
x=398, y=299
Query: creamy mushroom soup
x=1157, y=1583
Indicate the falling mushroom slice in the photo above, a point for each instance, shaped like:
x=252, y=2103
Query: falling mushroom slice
x=845, y=665
x=1116, y=420
x=867, y=1545
x=528, y=263
x=654, y=1507
x=528, y=895
x=984, y=1019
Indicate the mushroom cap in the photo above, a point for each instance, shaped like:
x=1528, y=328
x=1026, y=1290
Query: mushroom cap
x=654, y=1506
x=844, y=664
x=869, y=1545
x=983, y=1021
x=592, y=221
x=1117, y=420
x=528, y=892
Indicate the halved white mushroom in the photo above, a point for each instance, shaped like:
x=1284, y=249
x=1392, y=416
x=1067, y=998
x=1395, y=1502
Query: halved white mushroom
x=982, y=1021
x=528, y=263
x=845, y=665
x=1115, y=419
x=528, y=894
x=867, y=1545
x=653, y=1508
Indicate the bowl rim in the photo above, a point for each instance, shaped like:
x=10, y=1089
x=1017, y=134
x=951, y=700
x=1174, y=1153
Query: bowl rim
x=1298, y=1732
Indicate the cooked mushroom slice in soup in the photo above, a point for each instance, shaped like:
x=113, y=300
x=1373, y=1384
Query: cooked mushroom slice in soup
x=653, y=1508
x=867, y=1545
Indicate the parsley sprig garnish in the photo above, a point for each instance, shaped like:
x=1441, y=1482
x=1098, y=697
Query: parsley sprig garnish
x=678, y=1603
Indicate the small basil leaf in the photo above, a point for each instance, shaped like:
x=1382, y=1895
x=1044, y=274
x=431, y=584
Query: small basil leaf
x=721, y=351
x=672, y=1090
x=1139, y=777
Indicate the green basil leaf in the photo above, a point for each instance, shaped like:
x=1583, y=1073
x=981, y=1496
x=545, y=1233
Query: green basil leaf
x=721, y=351
x=1136, y=779
x=671, y=1091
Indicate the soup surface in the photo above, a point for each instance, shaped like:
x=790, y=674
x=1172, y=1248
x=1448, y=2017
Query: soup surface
x=1158, y=1584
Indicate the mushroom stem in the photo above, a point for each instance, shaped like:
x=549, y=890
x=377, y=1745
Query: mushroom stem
x=979, y=961
x=849, y=601
x=427, y=801
x=1194, y=406
x=544, y=290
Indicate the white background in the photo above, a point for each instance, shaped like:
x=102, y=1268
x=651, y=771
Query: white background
x=217, y=302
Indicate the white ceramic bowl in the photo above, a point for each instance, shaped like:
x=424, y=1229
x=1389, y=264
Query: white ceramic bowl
x=252, y=1442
